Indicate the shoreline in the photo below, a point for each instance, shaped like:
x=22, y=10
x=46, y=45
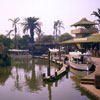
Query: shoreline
x=91, y=88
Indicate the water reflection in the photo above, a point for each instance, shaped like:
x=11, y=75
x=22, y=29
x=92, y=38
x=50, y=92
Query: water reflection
x=5, y=72
x=29, y=73
x=23, y=80
x=24, y=75
x=76, y=78
x=80, y=73
x=50, y=85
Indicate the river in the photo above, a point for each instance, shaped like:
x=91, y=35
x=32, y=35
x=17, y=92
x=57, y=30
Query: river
x=23, y=81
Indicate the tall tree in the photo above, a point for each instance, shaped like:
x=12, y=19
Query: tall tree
x=14, y=25
x=97, y=14
x=31, y=24
x=57, y=28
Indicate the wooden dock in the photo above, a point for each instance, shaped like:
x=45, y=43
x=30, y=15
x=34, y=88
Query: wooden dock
x=57, y=74
x=64, y=68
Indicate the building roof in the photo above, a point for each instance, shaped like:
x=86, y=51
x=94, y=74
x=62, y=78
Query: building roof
x=90, y=39
x=84, y=22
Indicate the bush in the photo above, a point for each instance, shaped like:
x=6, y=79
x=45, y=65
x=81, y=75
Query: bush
x=6, y=60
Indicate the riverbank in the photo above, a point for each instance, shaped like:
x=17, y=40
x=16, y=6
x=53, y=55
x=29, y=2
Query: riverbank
x=91, y=88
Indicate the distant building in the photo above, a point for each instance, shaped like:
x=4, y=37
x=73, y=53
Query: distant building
x=87, y=28
x=86, y=35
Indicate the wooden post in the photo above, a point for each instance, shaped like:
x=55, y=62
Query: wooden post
x=56, y=84
x=59, y=54
x=56, y=75
x=48, y=71
x=67, y=75
x=43, y=75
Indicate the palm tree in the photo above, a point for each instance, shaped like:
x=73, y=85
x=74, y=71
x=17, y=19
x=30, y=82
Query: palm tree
x=14, y=24
x=57, y=28
x=97, y=14
x=9, y=33
x=31, y=24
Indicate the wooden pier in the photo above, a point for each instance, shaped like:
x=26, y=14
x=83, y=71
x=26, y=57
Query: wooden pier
x=56, y=75
x=64, y=68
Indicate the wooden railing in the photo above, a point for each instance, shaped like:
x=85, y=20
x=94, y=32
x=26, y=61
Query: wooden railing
x=84, y=30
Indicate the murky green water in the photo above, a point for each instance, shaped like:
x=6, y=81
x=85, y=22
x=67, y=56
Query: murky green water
x=23, y=81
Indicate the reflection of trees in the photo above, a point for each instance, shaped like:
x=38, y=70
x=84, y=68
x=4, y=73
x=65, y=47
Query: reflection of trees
x=17, y=81
x=19, y=64
x=22, y=63
x=32, y=70
x=41, y=62
x=45, y=62
x=76, y=79
x=28, y=68
x=5, y=72
x=33, y=81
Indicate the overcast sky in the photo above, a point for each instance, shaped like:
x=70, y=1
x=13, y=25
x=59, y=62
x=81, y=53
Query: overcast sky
x=68, y=11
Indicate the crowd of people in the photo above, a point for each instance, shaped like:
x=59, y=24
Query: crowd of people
x=94, y=51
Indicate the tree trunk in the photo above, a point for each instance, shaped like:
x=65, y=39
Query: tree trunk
x=15, y=37
x=56, y=34
x=32, y=35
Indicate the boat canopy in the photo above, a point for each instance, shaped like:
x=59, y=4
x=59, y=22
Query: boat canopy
x=78, y=54
x=53, y=50
x=17, y=50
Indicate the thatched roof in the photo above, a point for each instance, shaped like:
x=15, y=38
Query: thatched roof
x=84, y=22
x=90, y=39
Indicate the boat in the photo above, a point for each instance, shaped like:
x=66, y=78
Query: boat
x=56, y=53
x=18, y=53
x=80, y=61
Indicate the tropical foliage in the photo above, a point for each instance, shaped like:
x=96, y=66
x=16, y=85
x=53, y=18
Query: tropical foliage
x=5, y=41
x=97, y=14
x=47, y=39
x=57, y=28
x=14, y=25
x=5, y=59
x=23, y=42
x=32, y=24
x=9, y=33
x=65, y=37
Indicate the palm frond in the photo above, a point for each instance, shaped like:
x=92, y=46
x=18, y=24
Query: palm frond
x=96, y=14
x=99, y=11
x=11, y=20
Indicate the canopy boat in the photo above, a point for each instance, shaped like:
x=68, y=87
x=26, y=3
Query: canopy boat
x=79, y=61
x=16, y=53
x=56, y=53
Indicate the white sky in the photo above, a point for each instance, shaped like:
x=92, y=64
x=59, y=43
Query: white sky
x=68, y=11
